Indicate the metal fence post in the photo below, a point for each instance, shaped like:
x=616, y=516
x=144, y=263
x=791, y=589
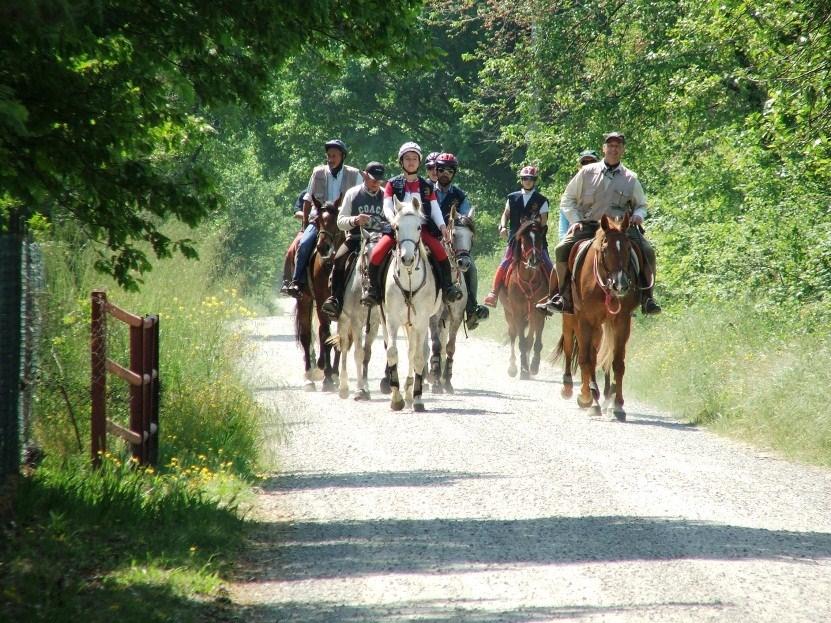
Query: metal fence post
x=98, y=386
x=10, y=340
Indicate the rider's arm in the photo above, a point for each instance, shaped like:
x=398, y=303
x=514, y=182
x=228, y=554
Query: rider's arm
x=639, y=201
x=346, y=219
x=544, y=214
x=435, y=214
x=571, y=198
x=506, y=215
x=389, y=203
x=307, y=201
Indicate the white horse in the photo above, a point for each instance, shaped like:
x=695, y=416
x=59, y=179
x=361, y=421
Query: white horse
x=444, y=326
x=357, y=328
x=410, y=299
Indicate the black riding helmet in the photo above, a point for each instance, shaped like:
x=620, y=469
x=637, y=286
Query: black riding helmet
x=337, y=144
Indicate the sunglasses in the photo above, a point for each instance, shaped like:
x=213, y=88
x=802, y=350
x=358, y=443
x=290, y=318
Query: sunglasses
x=443, y=169
x=528, y=179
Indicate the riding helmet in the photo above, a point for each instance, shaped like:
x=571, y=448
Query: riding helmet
x=430, y=161
x=337, y=144
x=529, y=171
x=448, y=161
x=409, y=146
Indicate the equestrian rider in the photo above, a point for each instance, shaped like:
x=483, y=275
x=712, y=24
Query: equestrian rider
x=526, y=203
x=297, y=210
x=587, y=156
x=603, y=188
x=450, y=196
x=430, y=167
x=362, y=208
x=328, y=182
x=406, y=186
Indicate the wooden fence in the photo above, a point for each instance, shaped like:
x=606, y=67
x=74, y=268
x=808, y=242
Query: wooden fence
x=142, y=376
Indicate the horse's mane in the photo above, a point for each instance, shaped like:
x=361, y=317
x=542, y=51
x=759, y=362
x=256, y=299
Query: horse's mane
x=466, y=221
x=328, y=207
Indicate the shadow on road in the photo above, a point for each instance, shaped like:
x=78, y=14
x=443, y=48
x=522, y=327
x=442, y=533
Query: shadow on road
x=306, y=550
x=433, y=611
x=311, y=480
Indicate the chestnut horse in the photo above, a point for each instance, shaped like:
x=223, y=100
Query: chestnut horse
x=605, y=294
x=525, y=284
x=329, y=239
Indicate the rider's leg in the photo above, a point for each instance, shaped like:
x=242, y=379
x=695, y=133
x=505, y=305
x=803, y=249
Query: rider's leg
x=475, y=312
x=560, y=301
x=288, y=263
x=450, y=289
x=499, y=278
x=301, y=260
x=337, y=279
x=647, y=276
x=371, y=294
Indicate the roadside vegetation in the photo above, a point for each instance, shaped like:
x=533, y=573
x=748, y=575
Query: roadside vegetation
x=124, y=542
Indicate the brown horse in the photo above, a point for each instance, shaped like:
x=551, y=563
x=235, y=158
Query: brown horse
x=525, y=284
x=329, y=239
x=606, y=293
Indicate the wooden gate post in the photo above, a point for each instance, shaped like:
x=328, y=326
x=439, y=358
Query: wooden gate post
x=99, y=375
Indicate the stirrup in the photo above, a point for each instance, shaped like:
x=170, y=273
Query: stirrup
x=295, y=289
x=452, y=293
x=369, y=298
x=482, y=312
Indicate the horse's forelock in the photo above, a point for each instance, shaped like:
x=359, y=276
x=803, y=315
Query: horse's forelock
x=408, y=209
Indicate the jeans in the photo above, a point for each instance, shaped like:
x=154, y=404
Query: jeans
x=304, y=253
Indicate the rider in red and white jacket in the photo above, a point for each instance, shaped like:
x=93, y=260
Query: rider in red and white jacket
x=406, y=186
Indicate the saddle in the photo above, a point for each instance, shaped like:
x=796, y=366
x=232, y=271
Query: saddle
x=578, y=256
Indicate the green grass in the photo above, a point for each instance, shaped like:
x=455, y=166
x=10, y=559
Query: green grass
x=123, y=543
x=754, y=372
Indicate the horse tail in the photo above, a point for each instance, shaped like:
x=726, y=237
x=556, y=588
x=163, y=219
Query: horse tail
x=558, y=351
x=298, y=324
x=606, y=352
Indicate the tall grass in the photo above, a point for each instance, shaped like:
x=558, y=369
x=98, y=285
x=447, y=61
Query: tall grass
x=123, y=543
x=742, y=368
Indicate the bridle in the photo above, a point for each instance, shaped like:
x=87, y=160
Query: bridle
x=607, y=286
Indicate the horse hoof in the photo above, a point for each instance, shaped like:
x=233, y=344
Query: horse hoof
x=449, y=388
x=436, y=388
x=418, y=407
x=596, y=411
x=620, y=415
x=535, y=368
x=524, y=375
x=385, y=386
x=328, y=385
x=343, y=392
x=567, y=392
x=362, y=395
x=584, y=403
x=309, y=386
x=316, y=374
x=512, y=371
x=397, y=405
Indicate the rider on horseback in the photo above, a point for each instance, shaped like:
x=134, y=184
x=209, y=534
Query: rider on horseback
x=329, y=182
x=527, y=203
x=587, y=156
x=404, y=187
x=450, y=196
x=288, y=261
x=362, y=208
x=430, y=167
x=603, y=188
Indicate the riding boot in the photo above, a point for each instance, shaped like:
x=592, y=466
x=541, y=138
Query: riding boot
x=498, y=280
x=337, y=286
x=288, y=269
x=648, y=304
x=560, y=302
x=370, y=296
x=451, y=290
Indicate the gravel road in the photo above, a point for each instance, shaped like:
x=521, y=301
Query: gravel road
x=506, y=503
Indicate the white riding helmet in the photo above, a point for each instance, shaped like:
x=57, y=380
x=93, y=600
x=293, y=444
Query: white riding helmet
x=409, y=146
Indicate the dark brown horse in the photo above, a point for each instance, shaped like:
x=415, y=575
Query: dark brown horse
x=329, y=239
x=525, y=284
x=606, y=292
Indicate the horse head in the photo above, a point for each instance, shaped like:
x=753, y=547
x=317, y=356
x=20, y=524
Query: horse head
x=614, y=250
x=328, y=232
x=407, y=225
x=530, y=240
x=463, y=232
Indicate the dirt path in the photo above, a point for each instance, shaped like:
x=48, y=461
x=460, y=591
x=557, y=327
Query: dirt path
x=505, y=503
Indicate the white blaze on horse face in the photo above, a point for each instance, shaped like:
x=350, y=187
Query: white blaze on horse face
x=408, y=232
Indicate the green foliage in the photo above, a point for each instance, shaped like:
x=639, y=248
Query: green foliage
x=120, y=542
x=100, y=103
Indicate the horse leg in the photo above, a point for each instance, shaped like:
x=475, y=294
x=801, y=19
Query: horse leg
x=418, y=362
x=324, y=361
x=303, y=327
x=586, y=359
x=622, y=330
x=524, y=345
x=512, y=336
x=343, y=381
x=568, y=338
x=450, y=352
x=435, y=360
x=396, y=399
x=538, y=320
